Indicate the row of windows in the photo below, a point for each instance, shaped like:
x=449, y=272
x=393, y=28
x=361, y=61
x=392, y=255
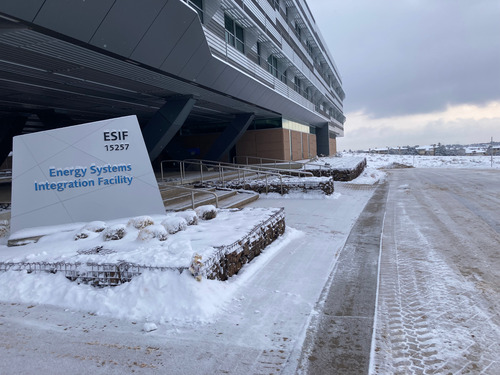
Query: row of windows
x=234, y=35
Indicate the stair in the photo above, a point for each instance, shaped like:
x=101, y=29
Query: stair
x=177, y=199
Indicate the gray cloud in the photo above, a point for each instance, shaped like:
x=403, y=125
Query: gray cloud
x=407, y=57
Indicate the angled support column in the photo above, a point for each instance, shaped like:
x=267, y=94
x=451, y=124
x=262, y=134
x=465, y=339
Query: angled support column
x=230, y=136
x=323, y=140
x=53, y=120
x=10, y=127
x=165, y=123
x=176, y=150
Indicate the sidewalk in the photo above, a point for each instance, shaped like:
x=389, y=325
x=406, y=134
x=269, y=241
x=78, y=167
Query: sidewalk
x=340, y=339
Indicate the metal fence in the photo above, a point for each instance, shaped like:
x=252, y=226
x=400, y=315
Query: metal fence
x=96, y=274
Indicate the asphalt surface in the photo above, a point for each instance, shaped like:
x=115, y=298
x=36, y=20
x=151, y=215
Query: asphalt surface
x=439, y=293
x=432, y=307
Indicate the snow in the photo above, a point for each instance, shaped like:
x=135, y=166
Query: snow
x=425, y=161
x=171, y=299
x=335, y=162
x=376, y=163
x=124, y=241
x=157, y=245
x=174, y=224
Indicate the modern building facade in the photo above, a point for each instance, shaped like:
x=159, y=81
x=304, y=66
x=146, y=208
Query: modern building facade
x=206, y=78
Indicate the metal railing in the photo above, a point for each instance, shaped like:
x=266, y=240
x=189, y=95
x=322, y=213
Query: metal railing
x=242, y=171
x=260, y=167
x=193, y=191
x=96, y=274
x=260, y=161
x=278, y=161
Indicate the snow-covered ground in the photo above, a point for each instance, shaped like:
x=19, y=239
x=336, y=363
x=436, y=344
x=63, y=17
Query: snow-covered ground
x=439, y=290
x=264, y=309
x=376, y=162
x=423, y=161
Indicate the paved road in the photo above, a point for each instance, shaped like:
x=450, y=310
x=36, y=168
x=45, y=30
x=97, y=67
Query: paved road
x=438, y=302
x=439, y=293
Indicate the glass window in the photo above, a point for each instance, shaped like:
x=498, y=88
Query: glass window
x=309, y=48
x=198, y=5
x=284, y=77
x=297, y=30
x=274, y=3
x=297, y=84
x=234, y=34
x=258, y=54
x=272, y=65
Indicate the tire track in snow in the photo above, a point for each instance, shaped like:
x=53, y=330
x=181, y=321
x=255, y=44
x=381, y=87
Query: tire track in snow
x=431, y=319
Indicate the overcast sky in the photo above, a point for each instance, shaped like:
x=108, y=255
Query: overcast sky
x=415, y=71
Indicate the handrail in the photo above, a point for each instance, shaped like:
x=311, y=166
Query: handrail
x=253, y=167
x=290, y=162
x=221, y=167
x=195, y=191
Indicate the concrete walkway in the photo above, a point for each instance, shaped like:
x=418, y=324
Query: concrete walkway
x=340, y=338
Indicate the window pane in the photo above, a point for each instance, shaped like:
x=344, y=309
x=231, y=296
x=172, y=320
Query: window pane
x=240, y=46
x=230, y=38
x=229, y=24
x=239, y=32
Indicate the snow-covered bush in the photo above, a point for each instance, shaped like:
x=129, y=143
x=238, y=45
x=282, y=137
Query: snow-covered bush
x=153, y=231
x=4, y=228
x=188, y=215
x=95, y=226
x=140, y=222
x=115, y=232
x=207, y=212
x=174, y=224
x=89, y=229
x=82, y=235
x=149, y=326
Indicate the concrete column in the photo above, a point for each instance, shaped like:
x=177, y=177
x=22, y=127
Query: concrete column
x=53, y=120
x=323, y=140
x=10, y=127
x=230, y=136
x=165, y=123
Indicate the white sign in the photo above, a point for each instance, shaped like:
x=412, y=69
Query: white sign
x=95, y=171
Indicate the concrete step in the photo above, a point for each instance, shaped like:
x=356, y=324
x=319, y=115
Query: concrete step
x=173, y=196
x=239, y=200
x=201, y=199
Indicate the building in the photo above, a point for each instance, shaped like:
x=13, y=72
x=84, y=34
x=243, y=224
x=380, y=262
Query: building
x=476, y=151
x=206, y=78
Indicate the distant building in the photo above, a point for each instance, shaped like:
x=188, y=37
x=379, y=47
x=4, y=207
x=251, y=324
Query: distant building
x=209, y=79
x=426, y=150
x=472, y=151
